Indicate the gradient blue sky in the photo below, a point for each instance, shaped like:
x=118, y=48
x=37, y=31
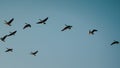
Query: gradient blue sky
x=73, y=48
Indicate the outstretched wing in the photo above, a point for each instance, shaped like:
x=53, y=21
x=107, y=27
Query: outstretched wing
x=11, y=20
x=36, y=52
x=94, y=30
x=64, y=28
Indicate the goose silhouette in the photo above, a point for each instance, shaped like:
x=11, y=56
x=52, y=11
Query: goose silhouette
x=9, y=22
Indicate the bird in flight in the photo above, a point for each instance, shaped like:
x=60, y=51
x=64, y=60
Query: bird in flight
x=3, y=38
x=27, y=25
x=9, y=22
x=114, y=42
x=92, y=31
x=34, y=53
x=12, y=33
x=66, y=27
x=42, y=21
x=9, y=50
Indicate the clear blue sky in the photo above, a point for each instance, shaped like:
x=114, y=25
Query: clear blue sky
x=73, y=48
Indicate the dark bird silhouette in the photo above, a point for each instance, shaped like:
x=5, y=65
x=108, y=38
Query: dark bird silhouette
x=9, y=50
x=66, y=27
x=3, y=38
x=115, y=42
x=42, y=21
x=92, y=31
x=27, y=25
x=12, y=33
x=34, y=53
x=9, y=22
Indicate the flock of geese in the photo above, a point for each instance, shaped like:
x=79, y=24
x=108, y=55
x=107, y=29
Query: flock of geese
x=9, y=23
